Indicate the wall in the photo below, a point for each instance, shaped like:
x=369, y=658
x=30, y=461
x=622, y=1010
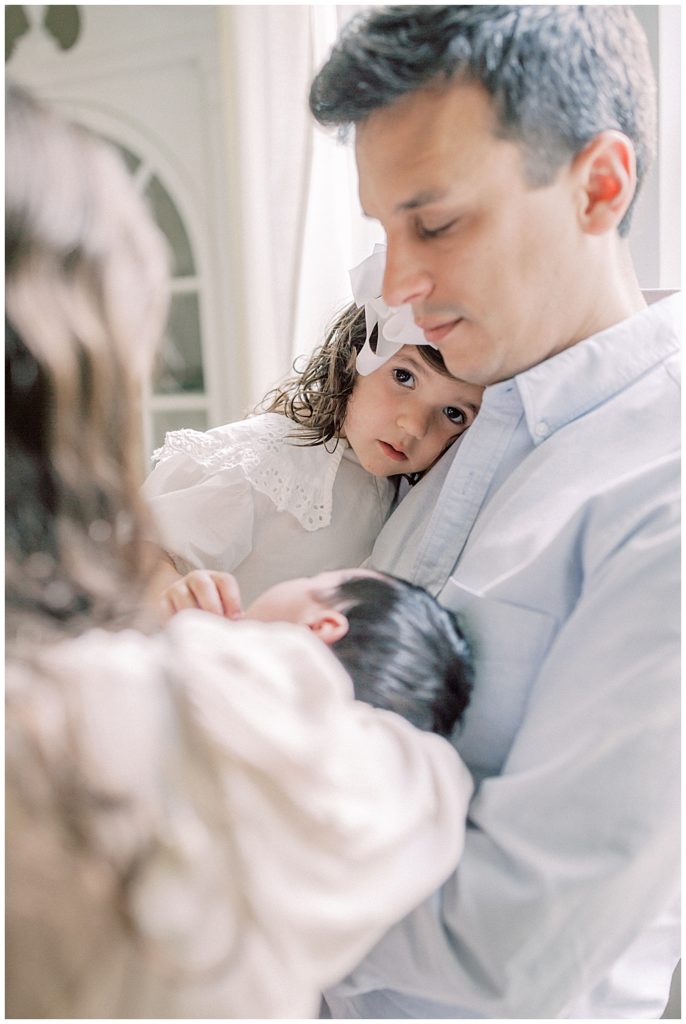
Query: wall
x=656, y=231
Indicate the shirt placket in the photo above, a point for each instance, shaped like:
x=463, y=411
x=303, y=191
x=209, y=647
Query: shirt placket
x=466, y=485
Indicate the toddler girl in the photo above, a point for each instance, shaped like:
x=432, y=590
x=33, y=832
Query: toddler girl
x=306, y=485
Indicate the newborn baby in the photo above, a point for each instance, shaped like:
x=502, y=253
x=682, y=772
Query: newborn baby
x=402, y=649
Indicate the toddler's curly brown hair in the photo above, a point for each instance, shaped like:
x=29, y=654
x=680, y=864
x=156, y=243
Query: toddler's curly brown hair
x=316, y=397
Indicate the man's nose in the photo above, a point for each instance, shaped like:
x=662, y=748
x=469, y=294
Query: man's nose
x=405, y=279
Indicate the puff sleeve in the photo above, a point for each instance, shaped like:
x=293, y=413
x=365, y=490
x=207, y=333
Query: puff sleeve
x=202, y=503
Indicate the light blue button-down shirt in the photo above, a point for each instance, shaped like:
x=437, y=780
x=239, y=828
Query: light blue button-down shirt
x=554, y=531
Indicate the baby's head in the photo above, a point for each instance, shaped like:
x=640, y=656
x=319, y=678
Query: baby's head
x=398, y=419
x=402, y=649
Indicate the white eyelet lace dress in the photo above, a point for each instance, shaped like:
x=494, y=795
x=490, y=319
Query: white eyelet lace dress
x=248, y=498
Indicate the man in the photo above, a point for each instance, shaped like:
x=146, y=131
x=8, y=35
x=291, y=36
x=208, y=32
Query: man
x=501, y=149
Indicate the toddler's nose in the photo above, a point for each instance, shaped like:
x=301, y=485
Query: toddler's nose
x=414, y=422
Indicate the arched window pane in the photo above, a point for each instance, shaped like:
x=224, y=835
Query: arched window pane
x=167, y=216
x=132, y=161
x=180, y=361
x=63, y=23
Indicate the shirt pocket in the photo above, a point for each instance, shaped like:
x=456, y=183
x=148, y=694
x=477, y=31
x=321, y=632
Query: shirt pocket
x=508, y=644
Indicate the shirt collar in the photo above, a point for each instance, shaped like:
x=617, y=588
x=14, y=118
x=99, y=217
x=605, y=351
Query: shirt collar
x=573, y=382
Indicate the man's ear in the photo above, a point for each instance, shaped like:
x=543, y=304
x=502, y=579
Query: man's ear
x=329, y=625
x=606, y=170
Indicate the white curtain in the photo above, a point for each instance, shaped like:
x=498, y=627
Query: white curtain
x=294, y=189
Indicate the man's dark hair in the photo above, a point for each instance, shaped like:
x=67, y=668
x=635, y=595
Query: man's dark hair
x=557, y=75
x=404, y=651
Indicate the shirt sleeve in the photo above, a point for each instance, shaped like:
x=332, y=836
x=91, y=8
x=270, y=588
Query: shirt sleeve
x=573, y=851
x=343, y=817
x=203, y=510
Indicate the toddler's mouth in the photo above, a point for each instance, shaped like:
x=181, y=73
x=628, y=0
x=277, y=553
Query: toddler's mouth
x=393, y=453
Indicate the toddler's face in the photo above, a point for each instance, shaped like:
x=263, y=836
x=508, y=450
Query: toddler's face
x=403, y=416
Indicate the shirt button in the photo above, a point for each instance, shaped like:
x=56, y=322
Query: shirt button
x=542, y=429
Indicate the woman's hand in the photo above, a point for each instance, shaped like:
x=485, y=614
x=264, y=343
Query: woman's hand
x=215, y=592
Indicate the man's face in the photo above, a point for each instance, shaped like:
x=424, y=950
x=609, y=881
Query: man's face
x=487, y=262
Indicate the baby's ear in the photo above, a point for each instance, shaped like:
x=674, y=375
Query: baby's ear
x=329, y=625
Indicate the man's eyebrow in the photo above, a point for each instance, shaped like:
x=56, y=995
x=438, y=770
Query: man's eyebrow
x=422, y=199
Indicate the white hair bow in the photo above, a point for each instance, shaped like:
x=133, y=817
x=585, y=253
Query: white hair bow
x=396, y=323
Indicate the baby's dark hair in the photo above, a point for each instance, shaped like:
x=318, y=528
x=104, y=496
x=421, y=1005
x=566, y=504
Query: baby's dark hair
x=403, y=650
x=316, y=396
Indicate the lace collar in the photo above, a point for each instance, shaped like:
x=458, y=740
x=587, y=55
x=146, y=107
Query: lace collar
x=296, y=478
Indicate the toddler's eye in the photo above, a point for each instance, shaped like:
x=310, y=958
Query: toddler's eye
x=403, y=377
x=454, y=415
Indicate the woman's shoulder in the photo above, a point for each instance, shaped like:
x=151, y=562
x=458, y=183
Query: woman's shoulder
x=100, y=656
x=94, y=660
x=121, y=682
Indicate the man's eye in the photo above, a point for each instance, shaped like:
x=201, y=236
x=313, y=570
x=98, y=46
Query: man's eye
x=425, y=232
x=403, y=377
x=454, y=415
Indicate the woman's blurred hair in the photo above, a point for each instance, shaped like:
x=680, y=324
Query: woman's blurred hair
x=86, y=292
